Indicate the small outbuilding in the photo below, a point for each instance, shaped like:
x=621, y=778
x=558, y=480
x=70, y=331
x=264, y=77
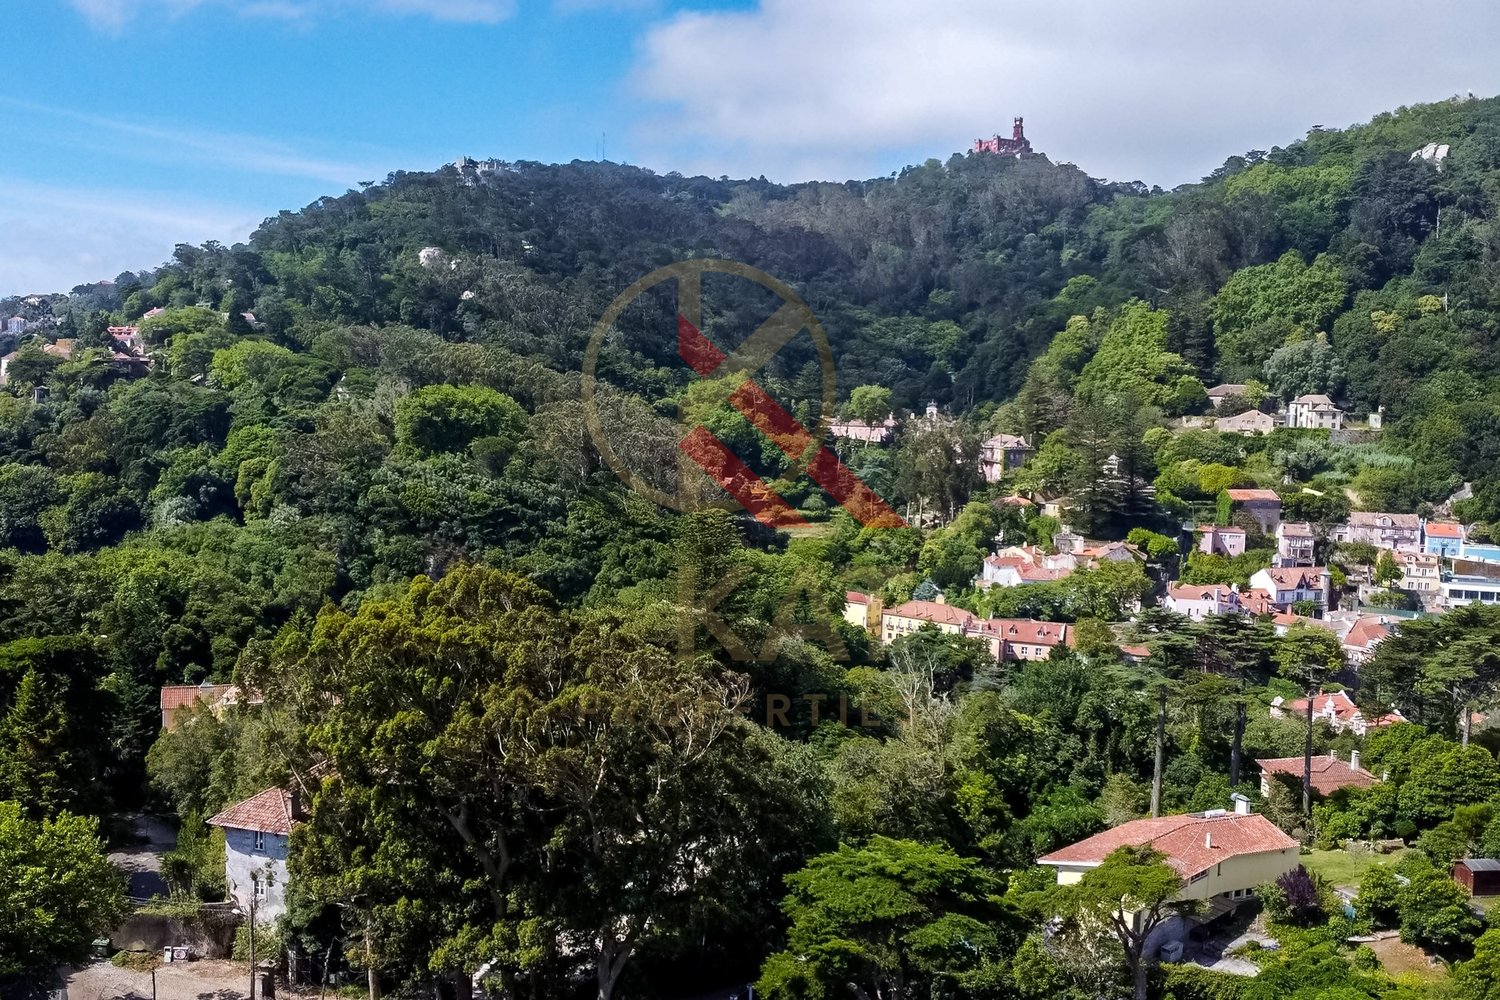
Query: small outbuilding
x=1480, y=876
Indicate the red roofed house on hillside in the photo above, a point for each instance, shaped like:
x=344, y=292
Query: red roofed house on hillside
x=859, y=609
x=1289, y=584
x=907, y=618
x=1263, y=506
x=1337, y=709
x=1222, y=856
x=180, y=698
x=257, y=832
x=1023, y=639
x=1329, y=774
x=1222, y=540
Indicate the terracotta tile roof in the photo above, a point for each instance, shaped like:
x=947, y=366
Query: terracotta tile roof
x=1241, y=496
x=931, y=611
x=1444, y=529
x=1039, y=574
x=176, y=697
x=1256, y=601
x=1016, y=501
x=1329, y=774
x=855, y=597
x=1297, y=529
x=1295, y=577
x=1025, y=630
x=1223, y=529
x=1339, y=705
x=1227, y=389
x=265, y=812
x=1192, y=844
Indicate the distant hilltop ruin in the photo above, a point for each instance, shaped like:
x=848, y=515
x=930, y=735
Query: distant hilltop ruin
x=1017, y=145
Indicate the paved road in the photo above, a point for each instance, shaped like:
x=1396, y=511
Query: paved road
x=141, y=861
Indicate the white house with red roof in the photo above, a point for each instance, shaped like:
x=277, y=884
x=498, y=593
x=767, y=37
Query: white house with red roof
x=1336, y=709
x=257, y=836
x=1289, y=584
x=1220, y=855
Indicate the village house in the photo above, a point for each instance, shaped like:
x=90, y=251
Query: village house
x=1329, y=774
x=16, y=325
x=1443, y=538
x=859, y=430
x=1314, y=412
x=1295, y=544
x=1221, y=540
x=1419, y=573
x=1289, y=584
x=859, y=609
x=1219, y=393
x=1002, y=453
x=1362, y=637
x=127, y=339
x=1337, y=710
x=907, y=618
x=1249, y=423
x=1263, y=506
x=1014, y=571
x=1221, y=856
x=1200, y=602
x=1397, y=532
x=257, y=833
x=1012, y=639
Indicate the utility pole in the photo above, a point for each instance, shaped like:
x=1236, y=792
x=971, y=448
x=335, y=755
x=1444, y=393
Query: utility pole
x=254, y=888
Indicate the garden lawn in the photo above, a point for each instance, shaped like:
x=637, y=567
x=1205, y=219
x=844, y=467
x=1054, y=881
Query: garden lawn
x=1344, y=869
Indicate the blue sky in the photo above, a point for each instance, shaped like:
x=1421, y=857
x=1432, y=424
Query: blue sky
x=129, y=125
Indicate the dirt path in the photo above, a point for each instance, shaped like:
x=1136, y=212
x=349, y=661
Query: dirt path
x=141, y=861
x=206, y=980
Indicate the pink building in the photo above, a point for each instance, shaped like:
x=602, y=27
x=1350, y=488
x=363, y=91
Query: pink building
x=1221, y=541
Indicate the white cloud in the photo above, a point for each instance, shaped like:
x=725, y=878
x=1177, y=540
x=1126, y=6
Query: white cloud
x=155, y=142
x=1160, y=90
x=58, y=236
x=114, y=15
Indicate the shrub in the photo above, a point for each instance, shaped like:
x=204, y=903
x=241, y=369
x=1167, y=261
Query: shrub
x=1378, y=899
x=1365, y=959
x=1300, y=899
x=1435, y=912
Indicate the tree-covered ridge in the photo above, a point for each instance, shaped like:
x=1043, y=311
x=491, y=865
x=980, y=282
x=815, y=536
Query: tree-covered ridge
x=358, y=479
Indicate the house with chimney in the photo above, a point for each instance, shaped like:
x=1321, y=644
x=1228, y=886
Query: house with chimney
x=1335, y=709
x=1289, y=584
x=257, y=839
x=1329, y=773
x=1221, y=856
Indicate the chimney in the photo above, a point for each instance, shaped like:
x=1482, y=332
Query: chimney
x=1354, y=760
x=1208, y=840
x=1241, y=804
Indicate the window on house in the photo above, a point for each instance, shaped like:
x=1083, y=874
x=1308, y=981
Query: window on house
x=260, y=841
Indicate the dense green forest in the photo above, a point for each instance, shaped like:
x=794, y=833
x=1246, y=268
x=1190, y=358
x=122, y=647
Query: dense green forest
x=358, y=480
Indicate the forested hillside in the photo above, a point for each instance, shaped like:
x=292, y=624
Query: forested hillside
x=348, y=469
